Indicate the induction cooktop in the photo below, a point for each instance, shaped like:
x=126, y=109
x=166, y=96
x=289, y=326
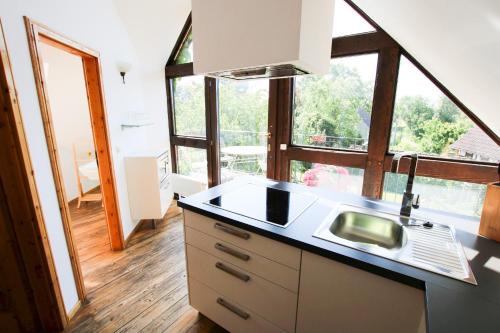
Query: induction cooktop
x=264, y=203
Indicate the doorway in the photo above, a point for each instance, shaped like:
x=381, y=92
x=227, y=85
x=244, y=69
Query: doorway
x=68, y=80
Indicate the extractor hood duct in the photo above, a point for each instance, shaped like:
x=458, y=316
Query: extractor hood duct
x=247, y=39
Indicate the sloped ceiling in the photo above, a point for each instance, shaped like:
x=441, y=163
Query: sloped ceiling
x=457, y=41
x=153, y=27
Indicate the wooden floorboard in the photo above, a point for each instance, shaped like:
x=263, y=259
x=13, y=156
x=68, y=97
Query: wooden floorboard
x=140, y=289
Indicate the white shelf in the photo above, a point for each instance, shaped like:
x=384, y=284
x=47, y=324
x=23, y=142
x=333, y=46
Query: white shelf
x=134, y=125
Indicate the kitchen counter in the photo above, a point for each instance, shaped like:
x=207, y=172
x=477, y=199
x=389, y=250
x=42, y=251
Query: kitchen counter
x=451, y=305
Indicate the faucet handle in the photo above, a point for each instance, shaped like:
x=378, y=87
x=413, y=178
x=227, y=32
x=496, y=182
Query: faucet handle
x=416, y=202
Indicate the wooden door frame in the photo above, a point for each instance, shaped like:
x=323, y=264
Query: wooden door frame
x=38, y=34
x=34, y=291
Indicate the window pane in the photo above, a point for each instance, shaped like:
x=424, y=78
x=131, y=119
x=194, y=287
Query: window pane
x=186, y=53
x=331, y=177
x=192, y=162
x=189, y=106
x=446, y=195
x=428, y=122
x=347, y=22
x=243, y=110
x=334, y=110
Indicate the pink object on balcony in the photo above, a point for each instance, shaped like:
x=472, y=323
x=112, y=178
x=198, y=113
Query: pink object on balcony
x=320, y=138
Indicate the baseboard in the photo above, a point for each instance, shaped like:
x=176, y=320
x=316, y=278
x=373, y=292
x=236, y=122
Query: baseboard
x=74, y=310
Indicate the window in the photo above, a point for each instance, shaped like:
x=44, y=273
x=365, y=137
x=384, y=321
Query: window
x=428, y=122
x=347, y=22
x=446, y=195
x=189, y=106
x=328, y=118
x=186, y=52
x=331, y=177
x=334, y=111
x=192, y=162
x=243, y=121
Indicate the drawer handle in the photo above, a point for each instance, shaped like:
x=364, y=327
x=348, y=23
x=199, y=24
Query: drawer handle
x=234, y=232
x=233, y=308
x=233, y=272
x=233, y=252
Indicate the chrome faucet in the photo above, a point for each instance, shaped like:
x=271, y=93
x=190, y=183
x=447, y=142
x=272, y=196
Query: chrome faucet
x=409, y=201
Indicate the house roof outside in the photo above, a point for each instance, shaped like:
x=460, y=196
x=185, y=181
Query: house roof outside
x=365, y=116
x=475, y=141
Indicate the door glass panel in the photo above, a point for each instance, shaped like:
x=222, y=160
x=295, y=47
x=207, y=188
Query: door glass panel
x=189, y=106
x=334, y=110
x=243, y=116
x=332, y=177
x=192, y=162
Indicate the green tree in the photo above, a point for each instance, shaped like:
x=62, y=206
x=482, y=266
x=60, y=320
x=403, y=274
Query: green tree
x=447, y=110
x=189, y=106
x=415, y=111
x=243, y=107
x=420, y=126
x=328, y=105
x=437, y=135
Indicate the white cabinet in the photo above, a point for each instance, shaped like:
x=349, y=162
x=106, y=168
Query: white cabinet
x=241, y=280
x=149, y=185
x=334, y=297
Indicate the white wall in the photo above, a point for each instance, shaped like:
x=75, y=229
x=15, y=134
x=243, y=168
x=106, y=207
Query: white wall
x=153, y=27
x=96, y=24
x=457, y=41
x=70, y=114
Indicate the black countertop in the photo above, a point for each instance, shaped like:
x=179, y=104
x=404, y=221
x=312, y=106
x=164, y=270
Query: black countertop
x=452, y=305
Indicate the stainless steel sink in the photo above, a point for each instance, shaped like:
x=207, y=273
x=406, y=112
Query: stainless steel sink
x=398, y=238
x=369, y=229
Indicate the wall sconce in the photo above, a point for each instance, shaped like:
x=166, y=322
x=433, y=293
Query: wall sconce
x=124, y=68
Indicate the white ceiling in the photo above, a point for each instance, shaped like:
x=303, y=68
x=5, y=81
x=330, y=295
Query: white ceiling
x=153, y=26
x=457, y=41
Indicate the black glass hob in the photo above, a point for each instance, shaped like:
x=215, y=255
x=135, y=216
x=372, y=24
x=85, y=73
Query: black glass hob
x=264, y=203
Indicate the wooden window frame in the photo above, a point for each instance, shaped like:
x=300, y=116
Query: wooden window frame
x=210, y=142
x=376, y=160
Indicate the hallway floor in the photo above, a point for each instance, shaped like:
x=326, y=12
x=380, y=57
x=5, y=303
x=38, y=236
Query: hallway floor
x=142, y=288
x=91, y=239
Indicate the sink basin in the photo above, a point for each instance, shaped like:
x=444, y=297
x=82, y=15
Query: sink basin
x=398, y=238
x=369, y=229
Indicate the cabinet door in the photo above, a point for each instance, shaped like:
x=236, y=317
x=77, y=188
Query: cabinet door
x=334, y=297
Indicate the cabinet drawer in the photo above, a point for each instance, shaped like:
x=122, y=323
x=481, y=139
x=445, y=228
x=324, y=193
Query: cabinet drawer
x=226, y=312
x=272, y=302
x=268, y=248
x=272, y=271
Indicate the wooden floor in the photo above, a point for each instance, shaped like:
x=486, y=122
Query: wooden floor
x=88, y=225
x=140, y=289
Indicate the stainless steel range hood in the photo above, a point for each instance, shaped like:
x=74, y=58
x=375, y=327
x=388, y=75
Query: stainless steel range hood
x=241, y=39
x=270, y=72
